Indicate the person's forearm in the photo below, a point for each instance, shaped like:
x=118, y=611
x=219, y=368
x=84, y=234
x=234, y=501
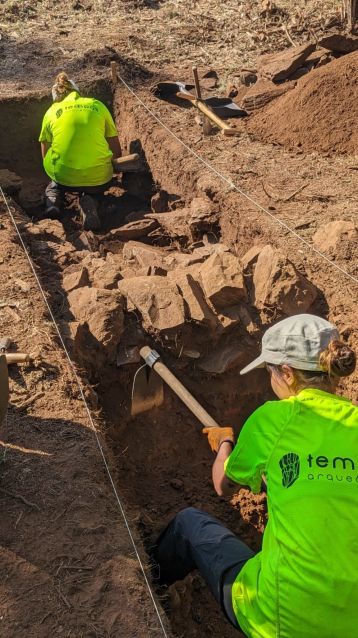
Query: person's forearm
x=222, y=485
x=44, y=148
x=115, y=146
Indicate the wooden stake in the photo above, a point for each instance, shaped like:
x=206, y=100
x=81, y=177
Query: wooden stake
x=351, y=12
x=206, y=122
x=114, y=72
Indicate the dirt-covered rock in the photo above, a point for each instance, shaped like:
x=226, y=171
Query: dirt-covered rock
x=263, y=92
x=204, y=217
x=174, y=224
x=104, y=272
x=226, y=356
x=10, y=182
x=339, y=42
x=47, y=229
x=101, y=312
x=250, y=258
x=222, y=280
x=277, y=283
x=158, y=300
x=78, y=278
x=195, y=303
x=133, y=230
x=330, y=235
x=279, y=66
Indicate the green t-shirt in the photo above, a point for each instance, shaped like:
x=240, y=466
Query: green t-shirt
x=304, y=582
x=77, y=128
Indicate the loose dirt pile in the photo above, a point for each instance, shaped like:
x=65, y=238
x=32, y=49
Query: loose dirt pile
x=319, y=114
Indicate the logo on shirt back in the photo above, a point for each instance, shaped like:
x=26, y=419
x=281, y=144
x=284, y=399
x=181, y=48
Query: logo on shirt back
x=59, y=113
x=290, y=468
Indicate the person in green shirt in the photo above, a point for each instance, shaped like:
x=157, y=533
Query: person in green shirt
x=304, y=450
x=78, y=140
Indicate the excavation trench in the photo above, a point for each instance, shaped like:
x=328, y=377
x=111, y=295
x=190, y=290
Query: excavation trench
x=161, y=459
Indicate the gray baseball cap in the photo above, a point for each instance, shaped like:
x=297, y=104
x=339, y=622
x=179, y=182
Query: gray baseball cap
x=296, y=341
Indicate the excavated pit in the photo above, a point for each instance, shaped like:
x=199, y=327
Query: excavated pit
x=161, y=459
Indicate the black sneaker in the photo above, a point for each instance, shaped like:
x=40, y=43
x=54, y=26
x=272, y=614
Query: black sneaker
x=89, y=214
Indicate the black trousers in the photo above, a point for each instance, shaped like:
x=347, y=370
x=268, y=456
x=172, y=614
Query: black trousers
x=196, y=540
x=55, y=192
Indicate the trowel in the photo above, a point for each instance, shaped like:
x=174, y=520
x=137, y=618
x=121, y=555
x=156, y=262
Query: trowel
x=148, y=388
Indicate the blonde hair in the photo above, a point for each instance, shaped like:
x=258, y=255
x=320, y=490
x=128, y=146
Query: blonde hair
x=337, y=360
x=62, y=87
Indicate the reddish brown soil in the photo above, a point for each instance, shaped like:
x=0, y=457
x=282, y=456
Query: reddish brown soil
x=319, y=114
x=161, y=461
x=66, y=560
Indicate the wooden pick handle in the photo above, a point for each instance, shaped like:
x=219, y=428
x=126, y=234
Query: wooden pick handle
x=202, y=415
x=17, y=357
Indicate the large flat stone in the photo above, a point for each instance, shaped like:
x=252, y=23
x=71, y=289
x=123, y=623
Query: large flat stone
x=330, y=235
x=10, y=182
x=225, y=357
x=279, y=66
x=278, y=284
x=194, y=299
x=263, y=92
x=339, y=42
x=157, y=299
x=101, y=311
x=222, y=280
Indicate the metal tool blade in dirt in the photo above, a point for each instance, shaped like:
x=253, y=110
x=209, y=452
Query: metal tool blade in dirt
x=4, y=387
x=153, y=398
x=148, y=390
x=223, y=107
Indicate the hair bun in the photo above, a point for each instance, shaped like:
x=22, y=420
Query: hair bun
x=63, y=82
x=339, y=360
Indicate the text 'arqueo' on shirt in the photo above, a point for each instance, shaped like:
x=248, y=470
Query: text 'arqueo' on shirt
x=77, y=128
x=304, y=582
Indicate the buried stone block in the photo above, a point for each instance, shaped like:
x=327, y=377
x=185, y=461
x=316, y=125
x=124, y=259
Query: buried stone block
x=157, y=299
x=329, y=236
x=222, y=280
x=279, y=66
x=204, y=217
x=263, y=92
x=194, y=298
x=102, y=312
x=10, y=182
x=133, y=230
x=226, y=356
x=76, y=278
x=174, y=224
x=278, y=283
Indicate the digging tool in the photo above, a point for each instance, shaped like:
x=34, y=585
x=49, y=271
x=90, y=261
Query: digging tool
x=206, y=122
x=12, y=357
x=4, y=387
x=148, y=388
x=17, y=357
x=128, y=163
x=214, y=108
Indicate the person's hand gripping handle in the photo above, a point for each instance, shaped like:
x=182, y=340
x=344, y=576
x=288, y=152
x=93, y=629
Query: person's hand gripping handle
x=219, y=435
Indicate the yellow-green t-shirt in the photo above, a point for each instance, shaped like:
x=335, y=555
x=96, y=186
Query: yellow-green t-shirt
x=77, y=128
x=304, y=582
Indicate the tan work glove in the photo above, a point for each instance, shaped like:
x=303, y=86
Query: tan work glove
x=217, y=436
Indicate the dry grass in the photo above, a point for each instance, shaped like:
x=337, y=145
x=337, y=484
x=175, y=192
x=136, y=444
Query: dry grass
x=224, y=34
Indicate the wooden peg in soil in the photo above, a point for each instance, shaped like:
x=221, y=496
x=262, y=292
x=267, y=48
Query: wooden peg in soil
x=206, y=121
x=114, y=72
x=5, y=343
x=17, y=357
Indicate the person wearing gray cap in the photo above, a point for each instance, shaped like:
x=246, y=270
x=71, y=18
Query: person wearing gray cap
x=304, y=447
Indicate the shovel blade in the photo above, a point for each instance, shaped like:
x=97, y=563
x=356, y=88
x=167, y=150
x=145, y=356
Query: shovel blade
x=4, y=387
x=148, y=391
